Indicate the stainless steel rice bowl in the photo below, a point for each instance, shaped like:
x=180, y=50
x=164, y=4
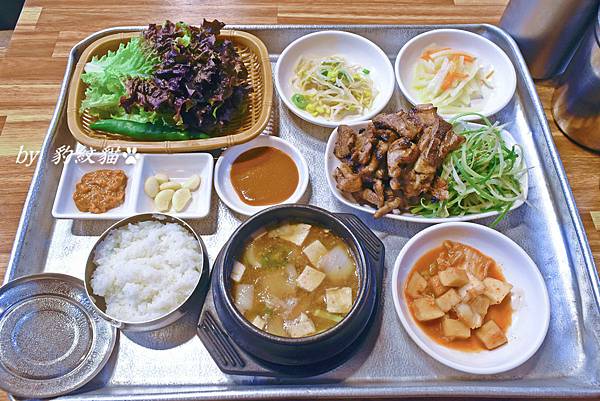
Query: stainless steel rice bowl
x=165, y=319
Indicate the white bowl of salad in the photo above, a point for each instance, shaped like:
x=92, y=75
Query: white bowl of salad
x=330, y=78
x=457, y=71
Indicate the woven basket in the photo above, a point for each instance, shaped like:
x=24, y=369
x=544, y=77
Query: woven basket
x=260, y=100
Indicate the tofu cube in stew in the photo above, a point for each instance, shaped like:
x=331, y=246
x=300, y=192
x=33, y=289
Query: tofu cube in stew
x=295, y=233
x=491, y=335
x=302, y=326
x=237, y=272
x=480, y=305
x=339, y=300
x=471, y=290
x=259, y=322
x=416, y=285
x=468, y=316
x=315, y=251
x=310, y=279
x=436, y=286
x=496, y=290
x=448, y=300
x=453, y=277
x=425, y=309
x=454, y=329
x=244, y=297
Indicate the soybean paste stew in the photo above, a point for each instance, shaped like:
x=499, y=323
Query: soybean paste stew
x=295, y=280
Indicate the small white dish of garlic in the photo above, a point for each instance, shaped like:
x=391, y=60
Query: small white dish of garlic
x=177, y=184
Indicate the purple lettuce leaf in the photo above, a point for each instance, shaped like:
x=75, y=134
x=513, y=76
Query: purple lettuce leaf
x=200, y=80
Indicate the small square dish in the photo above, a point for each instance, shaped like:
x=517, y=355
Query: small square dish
x=178, y=168
x=78, y=164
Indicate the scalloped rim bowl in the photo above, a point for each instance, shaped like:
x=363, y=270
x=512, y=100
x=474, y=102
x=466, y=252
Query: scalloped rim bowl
x=504, y=78
x=355, y=49
x=530, y=302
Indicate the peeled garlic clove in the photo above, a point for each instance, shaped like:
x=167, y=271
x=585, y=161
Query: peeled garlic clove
x=162, y=200
x=170, y=185
x=162, y=178
x=151, y=187
x=192, y=183
x=181, y=198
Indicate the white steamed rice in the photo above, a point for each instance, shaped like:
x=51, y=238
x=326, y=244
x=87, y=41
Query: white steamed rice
x=146, y=270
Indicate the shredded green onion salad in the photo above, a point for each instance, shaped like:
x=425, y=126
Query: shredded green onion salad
x=483, y=175
x=332, y=88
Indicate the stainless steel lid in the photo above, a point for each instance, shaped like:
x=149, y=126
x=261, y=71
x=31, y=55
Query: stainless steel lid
x=51, y=339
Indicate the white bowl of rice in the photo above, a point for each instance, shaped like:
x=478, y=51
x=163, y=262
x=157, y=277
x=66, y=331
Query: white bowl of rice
x=143, y=270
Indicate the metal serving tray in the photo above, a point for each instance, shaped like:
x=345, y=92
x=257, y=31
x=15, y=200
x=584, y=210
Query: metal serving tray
x=172, y=363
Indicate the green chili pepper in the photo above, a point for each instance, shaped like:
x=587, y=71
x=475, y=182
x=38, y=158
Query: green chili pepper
x=145, y=131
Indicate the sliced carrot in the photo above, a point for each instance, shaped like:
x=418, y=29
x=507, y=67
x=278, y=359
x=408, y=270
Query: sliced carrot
x=467, y=58
x=426, y=55
x=452, y=77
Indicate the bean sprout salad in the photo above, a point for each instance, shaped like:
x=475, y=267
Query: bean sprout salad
x=332, y=88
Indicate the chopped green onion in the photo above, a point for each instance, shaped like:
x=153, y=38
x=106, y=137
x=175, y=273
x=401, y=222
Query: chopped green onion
x=483, y=175
x=332, y=87
x=299, y=101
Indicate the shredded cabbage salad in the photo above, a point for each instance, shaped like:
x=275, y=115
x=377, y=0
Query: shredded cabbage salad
x=483, y=175
x=332, y=88
x=453, y=80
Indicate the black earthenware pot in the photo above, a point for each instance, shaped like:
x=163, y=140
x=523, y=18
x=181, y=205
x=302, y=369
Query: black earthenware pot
x=296, y=352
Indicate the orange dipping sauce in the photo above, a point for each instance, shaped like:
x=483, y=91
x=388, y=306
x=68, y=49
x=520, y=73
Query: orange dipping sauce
x=264, y=176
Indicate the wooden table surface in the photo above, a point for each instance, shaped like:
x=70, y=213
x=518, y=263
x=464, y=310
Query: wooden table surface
x=32, y=67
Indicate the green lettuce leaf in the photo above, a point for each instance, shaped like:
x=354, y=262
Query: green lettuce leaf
x=106, y=76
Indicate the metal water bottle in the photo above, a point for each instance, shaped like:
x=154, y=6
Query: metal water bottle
x=547, y=31
x=576, y=102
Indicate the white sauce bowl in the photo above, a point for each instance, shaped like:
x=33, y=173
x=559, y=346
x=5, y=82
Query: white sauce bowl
x=225, y=188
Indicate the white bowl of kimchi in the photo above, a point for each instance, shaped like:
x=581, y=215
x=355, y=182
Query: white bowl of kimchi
x=457, y=71
x=529, y=299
